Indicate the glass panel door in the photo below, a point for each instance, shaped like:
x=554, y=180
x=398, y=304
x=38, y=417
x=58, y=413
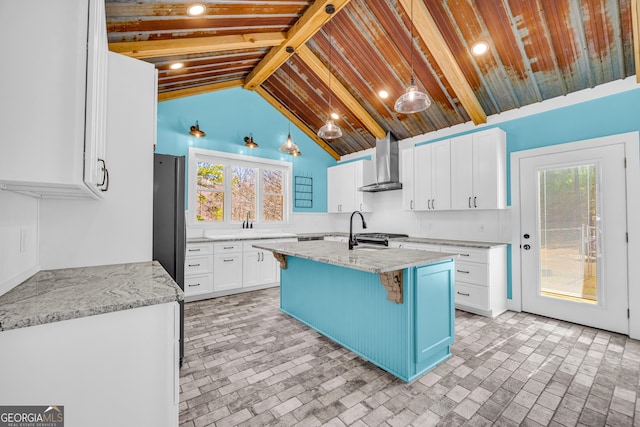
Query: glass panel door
x=569, y=204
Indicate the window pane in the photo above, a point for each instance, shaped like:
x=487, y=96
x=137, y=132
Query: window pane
x=211, y=176
x=243, y=193
x=272, y=181
x=273, y=208
x=210, y=206
x=568, y=222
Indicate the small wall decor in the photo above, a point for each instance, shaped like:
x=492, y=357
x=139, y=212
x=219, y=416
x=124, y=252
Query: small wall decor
x=303, y=191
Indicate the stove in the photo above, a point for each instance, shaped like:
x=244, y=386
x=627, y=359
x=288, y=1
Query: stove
x=377, y=238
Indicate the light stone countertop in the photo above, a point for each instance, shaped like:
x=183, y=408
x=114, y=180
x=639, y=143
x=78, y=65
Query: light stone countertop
x=370, y=258
x=55, y=295
x=307, y=236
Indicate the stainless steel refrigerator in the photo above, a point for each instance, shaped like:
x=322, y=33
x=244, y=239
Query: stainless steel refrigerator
x=169, y=233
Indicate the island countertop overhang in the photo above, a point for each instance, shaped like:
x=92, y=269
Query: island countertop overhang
x=370, y=259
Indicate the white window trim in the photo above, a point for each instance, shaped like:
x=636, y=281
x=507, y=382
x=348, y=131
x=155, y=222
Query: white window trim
x=200, y=154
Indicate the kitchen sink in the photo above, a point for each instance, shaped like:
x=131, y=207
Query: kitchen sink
x=246, y=233
x=362, y=247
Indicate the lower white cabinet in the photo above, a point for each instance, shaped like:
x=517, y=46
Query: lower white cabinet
x=481, y=276
x=222, y=268
x=127, y=360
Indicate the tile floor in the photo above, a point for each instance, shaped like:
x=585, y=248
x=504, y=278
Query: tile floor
x=248, y=364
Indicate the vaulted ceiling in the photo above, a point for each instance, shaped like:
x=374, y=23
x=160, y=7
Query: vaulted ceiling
x=538, y=49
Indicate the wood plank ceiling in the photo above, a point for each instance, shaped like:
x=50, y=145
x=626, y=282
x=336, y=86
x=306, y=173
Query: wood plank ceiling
x=538, y=49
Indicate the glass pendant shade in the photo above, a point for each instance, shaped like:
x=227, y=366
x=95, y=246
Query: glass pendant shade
x=330, y=130
x=288, y=146
x=412, y=101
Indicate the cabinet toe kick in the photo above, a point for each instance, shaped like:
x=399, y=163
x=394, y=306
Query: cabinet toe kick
x=392, y=282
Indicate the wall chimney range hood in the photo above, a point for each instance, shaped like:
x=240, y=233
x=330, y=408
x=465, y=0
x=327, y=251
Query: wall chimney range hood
x=387, y=170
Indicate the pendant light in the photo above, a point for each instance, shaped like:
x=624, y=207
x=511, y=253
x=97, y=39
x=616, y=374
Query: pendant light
x=412, y=101
x=289, y=146
x=195, y=131
x=330, y=130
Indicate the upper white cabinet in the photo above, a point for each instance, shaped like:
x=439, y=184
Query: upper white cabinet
x=408, y=180
x=53, y=122
x=478, y=170
x=343, y=182
x=432, y=176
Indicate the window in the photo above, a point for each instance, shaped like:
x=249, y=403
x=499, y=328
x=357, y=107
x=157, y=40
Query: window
x=227, y=188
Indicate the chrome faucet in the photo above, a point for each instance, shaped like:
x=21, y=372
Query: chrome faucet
x=352, y=238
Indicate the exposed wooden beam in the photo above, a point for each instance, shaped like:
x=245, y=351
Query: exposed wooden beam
x=181, y=93
x=340, y=91
x=304, y=28
x=428, y=30
x=186, y=46
x=635, y=22
x=304, y=128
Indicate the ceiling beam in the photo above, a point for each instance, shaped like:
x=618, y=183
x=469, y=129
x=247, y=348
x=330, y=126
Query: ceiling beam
x=304, y=28
x=428, y=30
x=186, y=46
x=296, y=121
x=340, y=91
x=181, y=93
x=635, y=23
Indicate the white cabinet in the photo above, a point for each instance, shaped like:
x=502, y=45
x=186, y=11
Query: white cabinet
x=408, y=179
x=478, y=170
x=343, y=182
x=54, y=122
x=132, y=354
x=259, y=266
x=481, y=279
x=432, y=176
x=481, y=276
x=227, y=266
x=198, y=269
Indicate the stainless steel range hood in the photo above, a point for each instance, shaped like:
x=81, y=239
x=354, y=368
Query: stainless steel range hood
x=387, y=170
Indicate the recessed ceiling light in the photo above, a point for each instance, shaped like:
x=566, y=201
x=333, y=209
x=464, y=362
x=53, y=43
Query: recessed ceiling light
x=196, y=9
x=335, y=116
x=383, y=94
x=176, y=66
x=480, y=48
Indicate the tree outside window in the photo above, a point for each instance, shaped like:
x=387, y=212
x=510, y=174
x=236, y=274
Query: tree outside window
x=210, y=192
x=273, y=189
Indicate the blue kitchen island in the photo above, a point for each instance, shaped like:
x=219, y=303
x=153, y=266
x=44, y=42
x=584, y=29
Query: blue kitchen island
x=393, y=307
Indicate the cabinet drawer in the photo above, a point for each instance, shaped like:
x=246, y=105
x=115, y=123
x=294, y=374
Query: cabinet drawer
x=474, y=296
x=227, y=247
x=468, y=254
x=195, y=249
x=471, y=272
x=198, y=284
x=197, y=265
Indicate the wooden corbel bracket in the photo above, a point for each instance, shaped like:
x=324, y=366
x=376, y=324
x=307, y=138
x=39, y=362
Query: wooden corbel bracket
x=282, y=259
x=392, y=282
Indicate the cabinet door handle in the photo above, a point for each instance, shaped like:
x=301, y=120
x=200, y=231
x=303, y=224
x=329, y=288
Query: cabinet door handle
x=428, y=203
x=462, y=271
x=227, y=247
x=475, y=202
x=433, y=203
x=360, y=206
x=104, y=176
x=463, y=294
x=194, y=285
x=194, y=250
x=228, y=260
x=464, y=254
x=469, y=202
x=194, y=265
x=411, y=204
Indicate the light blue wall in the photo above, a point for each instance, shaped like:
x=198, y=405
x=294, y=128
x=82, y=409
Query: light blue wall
x=230, y=115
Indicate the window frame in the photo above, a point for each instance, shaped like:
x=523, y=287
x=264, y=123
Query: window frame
x=229, y=160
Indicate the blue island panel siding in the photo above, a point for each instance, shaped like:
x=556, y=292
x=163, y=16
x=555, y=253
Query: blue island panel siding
x=227, y=117
x=351, y=307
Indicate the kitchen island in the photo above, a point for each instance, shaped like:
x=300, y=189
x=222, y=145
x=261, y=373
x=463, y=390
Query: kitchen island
x=393, y=307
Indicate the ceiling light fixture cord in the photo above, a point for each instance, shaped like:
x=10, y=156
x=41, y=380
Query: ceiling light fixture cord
x=330, y=130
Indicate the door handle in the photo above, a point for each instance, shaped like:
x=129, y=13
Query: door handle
x=526, y=247
x=194, y=285
x=469, y=202
x=526, y=235
x=462, y=271
x=194, y=265
x=475, y=202
x=433, y=203
x=462, y=293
